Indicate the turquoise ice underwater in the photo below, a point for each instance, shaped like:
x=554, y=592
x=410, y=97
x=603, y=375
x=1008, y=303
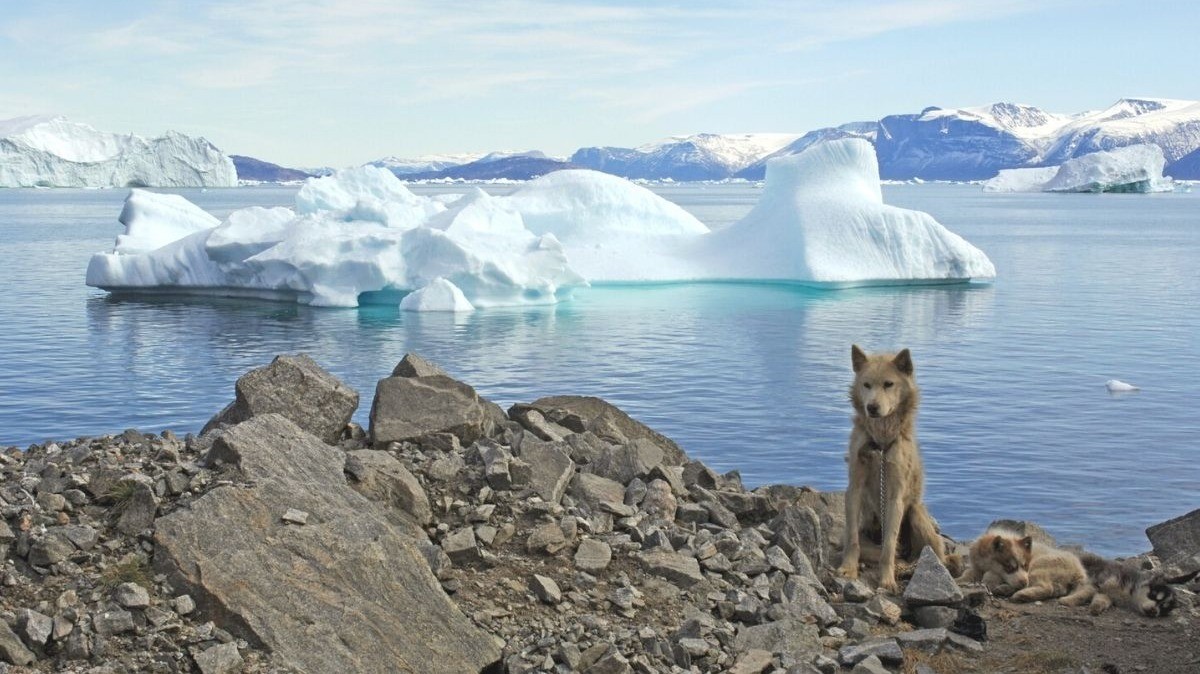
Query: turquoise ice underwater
x=1015, y=422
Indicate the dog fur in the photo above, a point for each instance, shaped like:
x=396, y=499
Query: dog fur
x=1124, y=584
x=1009, y=563
x=885, y=398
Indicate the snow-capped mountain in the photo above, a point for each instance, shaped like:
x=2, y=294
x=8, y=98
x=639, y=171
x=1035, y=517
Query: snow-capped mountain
x=249, y=168
x=498, y=166
x=401, y=166
x=46, y=151
x=864, y=130
x=1172, y=125
x=703, y=156
x=976, y=143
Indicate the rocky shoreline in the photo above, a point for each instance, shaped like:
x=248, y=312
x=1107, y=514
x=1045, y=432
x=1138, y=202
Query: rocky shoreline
x=450, y=536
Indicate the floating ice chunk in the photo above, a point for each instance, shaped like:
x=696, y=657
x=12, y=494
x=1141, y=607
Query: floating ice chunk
x=439, y=295
x=153, y=220
x=1021, y=180
x=361, y=236
x=821, y=219
x=1118, y=386
x=1133, y=168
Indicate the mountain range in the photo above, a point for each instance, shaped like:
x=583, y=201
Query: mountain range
x=972, y=143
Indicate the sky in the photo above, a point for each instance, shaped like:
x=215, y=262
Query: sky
x=309, y=83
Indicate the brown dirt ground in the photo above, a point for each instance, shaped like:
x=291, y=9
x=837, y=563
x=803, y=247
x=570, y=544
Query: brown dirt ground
x=1051, y=639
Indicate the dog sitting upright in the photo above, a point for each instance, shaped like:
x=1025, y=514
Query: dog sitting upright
x=883, y=498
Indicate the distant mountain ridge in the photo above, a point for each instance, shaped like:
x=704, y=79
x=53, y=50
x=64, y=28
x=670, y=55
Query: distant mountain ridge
x=972, y=143
x=249, y=168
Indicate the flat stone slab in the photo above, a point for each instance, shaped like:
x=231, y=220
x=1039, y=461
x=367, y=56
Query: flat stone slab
x=887, y=650
x=791, y=636
x=593, y=555
x=680, y=569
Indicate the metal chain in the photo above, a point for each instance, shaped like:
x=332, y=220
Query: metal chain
x=882, y=459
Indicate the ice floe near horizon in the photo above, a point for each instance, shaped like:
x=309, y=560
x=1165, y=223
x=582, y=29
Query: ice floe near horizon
x=1133, y=168
x=361, y=236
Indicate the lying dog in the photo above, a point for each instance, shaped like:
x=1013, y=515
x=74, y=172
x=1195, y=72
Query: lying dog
x=883, y=498
x=1010, y=563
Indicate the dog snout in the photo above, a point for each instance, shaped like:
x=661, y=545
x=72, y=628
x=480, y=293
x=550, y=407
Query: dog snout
x=873, y=409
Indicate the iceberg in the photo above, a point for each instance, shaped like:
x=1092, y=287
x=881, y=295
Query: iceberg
x=1133, y=168
x=42, y=151
x=360, y=236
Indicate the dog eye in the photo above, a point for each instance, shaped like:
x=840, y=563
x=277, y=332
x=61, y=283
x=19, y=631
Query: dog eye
x=888, y=384
x=867, y=386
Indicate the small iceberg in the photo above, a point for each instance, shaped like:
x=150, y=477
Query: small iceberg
x=1134, y=168
x=1118, y=386
x=361, y=236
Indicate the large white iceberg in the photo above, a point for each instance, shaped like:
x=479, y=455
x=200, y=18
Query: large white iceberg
x=42, y=151
x=1134, y=168
x=362, y=237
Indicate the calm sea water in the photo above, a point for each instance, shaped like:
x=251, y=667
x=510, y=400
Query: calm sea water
x=1015, y=422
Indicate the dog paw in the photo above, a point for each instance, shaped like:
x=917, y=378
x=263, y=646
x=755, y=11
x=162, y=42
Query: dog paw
x=849, y=571
x=889, y=585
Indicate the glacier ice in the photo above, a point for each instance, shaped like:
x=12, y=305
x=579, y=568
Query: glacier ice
x=1133, y=168
x=42, y=151
x=361, y=236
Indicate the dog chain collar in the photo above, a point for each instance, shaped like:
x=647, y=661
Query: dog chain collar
x=882, y=449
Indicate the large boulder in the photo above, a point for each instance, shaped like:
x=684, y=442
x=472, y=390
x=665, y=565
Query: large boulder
x=407, y=408
x=297, y=388
x=551, y=468
x=348, y=591
x=1177, y=544
x=584, y=413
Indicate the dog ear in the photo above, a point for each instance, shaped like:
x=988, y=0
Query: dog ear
x=1027, y=543
x=857, y=357
x=903, y=362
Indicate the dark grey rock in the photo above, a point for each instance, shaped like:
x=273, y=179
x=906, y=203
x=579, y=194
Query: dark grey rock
x=696, y=474
x=52, y=548
x=606, y=421
x=34, y=627
x=551, y=468
x=799, y=528
x=753, y=661
x=964, y=643
x=886, y=649
x=883, y=609
x=131, y=595
x=547, y=538
x=625, y=462
x=611, y=663
x=1177, y=543
x=220, y=659
x=857, y=591
x=931, y=583
x=12, y=650
x=351, y=592
x=790, y=636
x=592, y=555
x=297, y=388
x=870, y=665
x=598, y=493
x=933, y=616
x=928, y=640
x=413, y=365
x=113, y=620
x=380, y=477
x=407, y=408
x=138, y=511
x=532, y=420
x=804, y=601
x=545, y=589
x=461, y=546
x=680, y=569
x=83, y=536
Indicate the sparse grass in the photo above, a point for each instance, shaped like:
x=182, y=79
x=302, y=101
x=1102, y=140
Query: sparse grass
x=131, y=569
x=120, y=493
x=1043, y=662
x=945, y=662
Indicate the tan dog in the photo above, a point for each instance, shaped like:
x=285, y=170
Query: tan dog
x=1009, y=563
x=883, y=498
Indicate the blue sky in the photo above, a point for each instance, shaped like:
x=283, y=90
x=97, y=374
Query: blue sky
x=334, y=82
